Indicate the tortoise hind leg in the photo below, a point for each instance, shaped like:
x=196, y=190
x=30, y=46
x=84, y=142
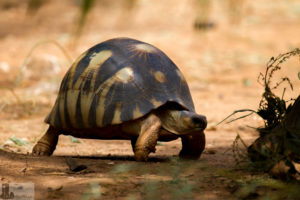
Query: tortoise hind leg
x=148, y=137
x=47, y=144
x=192, y=145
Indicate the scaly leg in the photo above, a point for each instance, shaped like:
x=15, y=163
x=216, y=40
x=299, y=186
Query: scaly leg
x=192, y=145
x=47, y=144
x=148, y=137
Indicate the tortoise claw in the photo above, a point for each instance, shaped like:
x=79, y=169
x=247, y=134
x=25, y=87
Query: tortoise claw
x=42, y=149
x=47, y=144
x=141, y=156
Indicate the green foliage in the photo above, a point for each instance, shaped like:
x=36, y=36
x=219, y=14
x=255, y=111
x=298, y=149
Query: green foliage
x=74, y=140
x=18, y=141
x=179, y=186
x=85, y=7
x=151, y=190
x=122, y=168
x=166, y=179
x=92, y=192
x=268, y=189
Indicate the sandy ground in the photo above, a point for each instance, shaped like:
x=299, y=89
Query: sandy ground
x=221, y=65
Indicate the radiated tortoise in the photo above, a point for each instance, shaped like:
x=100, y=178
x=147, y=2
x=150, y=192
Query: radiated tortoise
x=125, y=89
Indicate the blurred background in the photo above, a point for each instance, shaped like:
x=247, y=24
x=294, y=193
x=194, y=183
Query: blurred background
x=220, y=46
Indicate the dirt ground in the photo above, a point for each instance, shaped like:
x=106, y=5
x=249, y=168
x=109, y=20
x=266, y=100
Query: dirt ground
x=221, y=65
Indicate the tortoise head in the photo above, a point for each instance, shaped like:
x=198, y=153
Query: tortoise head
x=182, y=122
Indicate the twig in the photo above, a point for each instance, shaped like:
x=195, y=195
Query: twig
x=237, y=111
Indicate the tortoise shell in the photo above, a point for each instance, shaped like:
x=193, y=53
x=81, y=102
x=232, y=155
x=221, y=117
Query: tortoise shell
x=116, y=81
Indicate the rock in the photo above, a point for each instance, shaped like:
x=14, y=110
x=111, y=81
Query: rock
x=74, y=166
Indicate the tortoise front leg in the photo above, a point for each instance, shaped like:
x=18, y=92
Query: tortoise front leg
x=192, y=145
x=148, y=137
x=47, y=144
